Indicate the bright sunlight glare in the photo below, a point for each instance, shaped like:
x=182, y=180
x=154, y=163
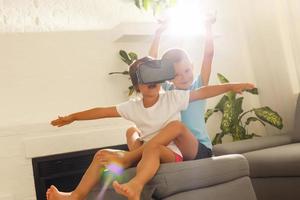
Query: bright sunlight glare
x=185, y=19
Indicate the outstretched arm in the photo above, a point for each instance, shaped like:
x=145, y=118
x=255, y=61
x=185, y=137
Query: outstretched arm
x=95, y=113
x=215, y=90
x=208, y=50
x=153, y=52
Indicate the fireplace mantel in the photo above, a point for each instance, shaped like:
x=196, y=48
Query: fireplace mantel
x=52, y=140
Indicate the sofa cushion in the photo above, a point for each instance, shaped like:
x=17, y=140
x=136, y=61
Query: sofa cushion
x=276, y=188
x=278, y=161
x=236, y=189
x=296, y=132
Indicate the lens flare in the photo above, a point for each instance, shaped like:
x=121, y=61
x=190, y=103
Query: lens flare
x=112, y=172
x=115, y=168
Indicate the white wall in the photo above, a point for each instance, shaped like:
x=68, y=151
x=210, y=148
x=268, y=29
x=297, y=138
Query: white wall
x=66, y=15
x=272, y=43
x=43, y=74
x=292, y=12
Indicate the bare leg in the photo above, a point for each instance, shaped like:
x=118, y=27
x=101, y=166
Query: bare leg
x=89, y=179
x=132, y=135
x=153, y=154
x=176, y=131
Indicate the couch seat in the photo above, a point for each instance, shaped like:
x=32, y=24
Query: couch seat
x=281, y=161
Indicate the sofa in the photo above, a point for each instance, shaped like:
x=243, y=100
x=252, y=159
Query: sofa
x=266, y=168
x=224, y=177
x=274, y=162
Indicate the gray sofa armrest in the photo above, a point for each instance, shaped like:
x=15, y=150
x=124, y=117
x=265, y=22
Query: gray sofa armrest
x=244, y=146
x=173, y=178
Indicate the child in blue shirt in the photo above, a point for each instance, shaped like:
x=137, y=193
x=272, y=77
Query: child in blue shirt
x=193, y=116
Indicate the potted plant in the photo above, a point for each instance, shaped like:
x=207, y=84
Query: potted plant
x=235, y=121
x=128, y=58
x=157, y=6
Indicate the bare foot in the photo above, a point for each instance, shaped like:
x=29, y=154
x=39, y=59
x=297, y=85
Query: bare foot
x=54, y=194
x=132, y=190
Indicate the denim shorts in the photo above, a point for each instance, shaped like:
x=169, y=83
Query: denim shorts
x=203, y=151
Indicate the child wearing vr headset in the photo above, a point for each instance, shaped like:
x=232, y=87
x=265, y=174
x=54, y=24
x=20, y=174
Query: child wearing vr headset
x=156, y=115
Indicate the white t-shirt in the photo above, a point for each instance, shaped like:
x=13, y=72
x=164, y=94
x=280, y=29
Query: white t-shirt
x=150, y=120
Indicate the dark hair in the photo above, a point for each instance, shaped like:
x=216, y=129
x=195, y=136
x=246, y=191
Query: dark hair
x=133, y=68
x=175, y=55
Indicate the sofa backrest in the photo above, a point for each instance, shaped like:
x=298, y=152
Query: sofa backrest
x=296, y=131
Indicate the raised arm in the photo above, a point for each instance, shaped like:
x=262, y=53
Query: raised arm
x=153, y=52
x=208, y=50
x=95, y=113
x=215, y=90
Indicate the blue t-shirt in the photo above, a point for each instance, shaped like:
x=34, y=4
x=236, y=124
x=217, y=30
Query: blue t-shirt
x=193, y=116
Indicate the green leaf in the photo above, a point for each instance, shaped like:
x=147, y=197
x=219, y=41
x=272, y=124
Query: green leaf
x=218, y=138
x=124, y=56
x=131, y=90
x=269, y=116
x=147, y=4
x=231, y=95
x=254, y=119
x=222, y=78
x=238, y=106
x=228, y=117
x=123, y=73
x=157, y=6
x=238, y=133
x=220, y=105
x=208, y=113
x=137, y=3
x=133, y=56
x=253, y=91
x=232, y=110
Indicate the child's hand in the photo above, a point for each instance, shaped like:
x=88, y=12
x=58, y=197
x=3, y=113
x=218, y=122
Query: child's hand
x=61, y=121
x=163, y=26
x=240, y=87
x=210, y=18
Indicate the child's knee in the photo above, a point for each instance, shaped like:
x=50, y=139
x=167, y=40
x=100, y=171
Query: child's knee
x=100, y=154
x=130, y=131
x=178, y=125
